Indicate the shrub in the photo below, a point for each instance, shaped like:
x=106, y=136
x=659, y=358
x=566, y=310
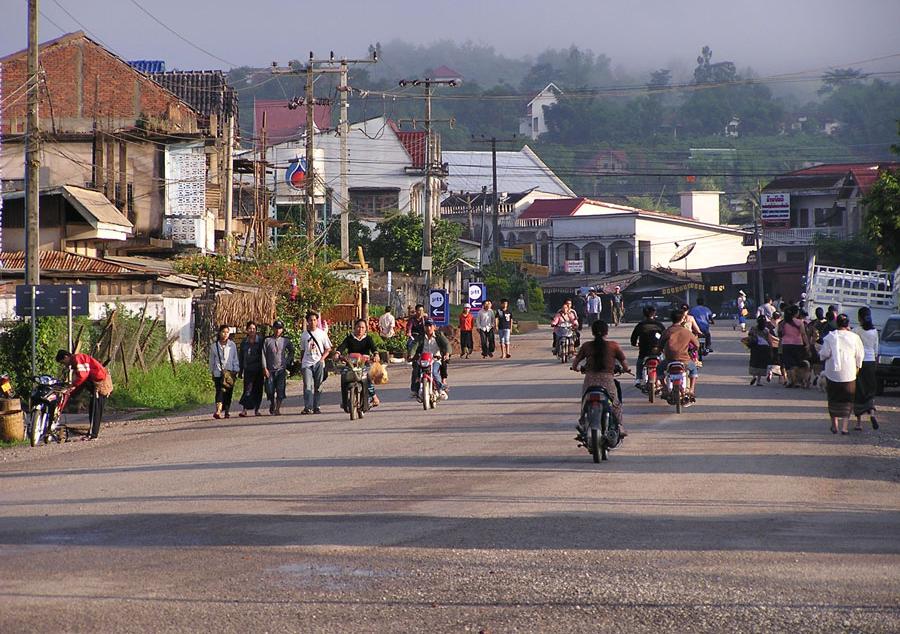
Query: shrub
x=158, y=389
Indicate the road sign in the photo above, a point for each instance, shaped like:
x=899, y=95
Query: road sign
x=477, y=295
x=51, y=300
x=439, y=306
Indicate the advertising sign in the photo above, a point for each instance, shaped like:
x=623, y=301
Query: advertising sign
x=775, y=209
x=512, y=255
x=477, y=295
x=51, y=300
x=295, y=174
x=573, y=266
x=535, y=270
x=439, y=307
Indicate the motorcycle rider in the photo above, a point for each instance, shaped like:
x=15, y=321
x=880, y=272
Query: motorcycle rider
x=646, y=337
x=565, y=315
x=601, y=357
x=704, y=317
x=358, y=342
x=437, y=344
x=88, y=373
x=675, y=342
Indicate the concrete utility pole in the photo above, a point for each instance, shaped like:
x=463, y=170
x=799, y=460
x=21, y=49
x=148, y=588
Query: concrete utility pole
x=495, y=204
x=32, y=155
x=428, y=212
x=758, y=242
x=344, y=127
x=310, y=215
x=229, y=181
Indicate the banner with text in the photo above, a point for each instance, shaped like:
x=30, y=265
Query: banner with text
x=775, y=209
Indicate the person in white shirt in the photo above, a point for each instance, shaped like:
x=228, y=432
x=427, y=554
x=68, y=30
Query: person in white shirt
x=386, y=323
x=520, y=304
x=842, y=351
x=316, y=347
x=867, y=380
x=224, y=367
x=593, y=307
x=485, y=323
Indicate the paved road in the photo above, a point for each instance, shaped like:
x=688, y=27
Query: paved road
x=742, y=514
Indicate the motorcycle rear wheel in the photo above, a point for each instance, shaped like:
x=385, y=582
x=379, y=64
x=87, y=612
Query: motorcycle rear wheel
x=36, y=428
x=651, y=387
x=676, y=396
x=595, y=444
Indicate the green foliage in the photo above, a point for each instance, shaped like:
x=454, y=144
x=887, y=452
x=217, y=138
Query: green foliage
x=358, y=233
x=399, y=242
x=504, y=280
x=857, y=252
x=159, y=390
x=15, y=350
x=396, y=345
x=882, y=222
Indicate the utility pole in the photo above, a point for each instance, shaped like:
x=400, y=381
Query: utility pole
x=496, y=201
x=483, y=210
x=310, y=210
x=229, y=181
x=344, y=126
x=428, y=212
x=756, y=238
x=32, y=156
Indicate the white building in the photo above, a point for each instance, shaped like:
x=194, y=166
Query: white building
x=520, y=171
x=533, y=124
x=608, y=238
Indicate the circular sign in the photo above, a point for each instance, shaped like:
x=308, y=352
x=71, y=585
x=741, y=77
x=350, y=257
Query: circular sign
x=436, y=299
x=474, y=291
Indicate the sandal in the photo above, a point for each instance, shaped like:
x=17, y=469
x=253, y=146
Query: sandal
x=243, y=414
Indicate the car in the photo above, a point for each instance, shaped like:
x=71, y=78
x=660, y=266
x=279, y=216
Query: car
x=887, y=371
x=634, y=310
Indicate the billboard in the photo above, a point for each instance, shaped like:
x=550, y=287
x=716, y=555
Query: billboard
x=775, y=209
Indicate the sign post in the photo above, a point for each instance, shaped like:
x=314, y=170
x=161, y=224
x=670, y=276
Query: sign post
x=477, y=295
x=48, y=300
x=439, y=306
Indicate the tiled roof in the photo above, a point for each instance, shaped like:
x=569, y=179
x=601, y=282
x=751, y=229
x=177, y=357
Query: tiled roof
x=284, y=124
x=60, y=261
x=553, y=208
x=148, y=66
x=414, y=143
x=206, y=91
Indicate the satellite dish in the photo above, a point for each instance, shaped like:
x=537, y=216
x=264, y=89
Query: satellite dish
x=683, y=252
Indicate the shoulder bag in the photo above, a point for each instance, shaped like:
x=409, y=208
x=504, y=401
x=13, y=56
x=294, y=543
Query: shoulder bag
x=228, y=377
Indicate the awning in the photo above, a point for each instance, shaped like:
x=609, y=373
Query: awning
x=105, y=219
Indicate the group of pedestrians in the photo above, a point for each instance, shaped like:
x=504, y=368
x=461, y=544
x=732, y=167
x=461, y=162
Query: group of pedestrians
x=589, y=306
x=493, y=327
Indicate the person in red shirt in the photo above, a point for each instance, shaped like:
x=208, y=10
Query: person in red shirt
x=466, y=323
x=87, y=372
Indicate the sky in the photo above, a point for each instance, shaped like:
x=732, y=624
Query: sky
x=769, y=36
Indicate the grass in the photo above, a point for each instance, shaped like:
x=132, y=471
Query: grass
x=158, y=390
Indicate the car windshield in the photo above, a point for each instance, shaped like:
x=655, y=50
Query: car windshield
x=891, y=330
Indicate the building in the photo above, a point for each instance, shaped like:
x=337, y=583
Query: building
x=533, y=123
x=285, y=119
x=110, y=128
x=594, y=237
x=522, y=171
x=824, y=200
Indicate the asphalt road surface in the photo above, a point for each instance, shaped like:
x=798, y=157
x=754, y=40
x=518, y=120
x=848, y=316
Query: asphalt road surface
x=742, y=514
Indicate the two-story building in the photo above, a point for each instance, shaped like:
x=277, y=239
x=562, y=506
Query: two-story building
x=533, y=124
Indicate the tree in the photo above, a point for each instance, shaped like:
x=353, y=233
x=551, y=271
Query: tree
x=360, y=236
x=708, y=73
x=882, y=222
x=837, y=77
x=399, y=242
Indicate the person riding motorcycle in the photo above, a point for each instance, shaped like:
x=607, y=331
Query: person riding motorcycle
x=676, y=342
x=361, y=343
x=437, y=344
x=646, y=337
x=565, y=315
x=600, y=358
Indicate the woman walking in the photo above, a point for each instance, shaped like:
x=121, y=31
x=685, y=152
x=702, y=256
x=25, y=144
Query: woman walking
x=600, y=358
x=760, y=342
x=224, y=367
x=842, y=351
x=794, y=343
x=864, y=402
x=250, y=359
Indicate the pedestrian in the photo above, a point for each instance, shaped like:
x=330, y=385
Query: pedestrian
x=617, y=305
x=580, y=306
x=593, y=307
x=520, y=304
x=766, y=309
x=466, y=324
x=277, y=358
x=316, y=347
x=224, y=367
x=760, y=342
x=866, y=381
x=504, y=327
x=386, y=323
x=777, y=369
x=250, y=359
x=485, y=322
x=742, y=310
x=843, y=354
x=88, y=373
x=794, y=343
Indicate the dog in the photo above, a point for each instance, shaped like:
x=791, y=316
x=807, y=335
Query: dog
x=801, y=375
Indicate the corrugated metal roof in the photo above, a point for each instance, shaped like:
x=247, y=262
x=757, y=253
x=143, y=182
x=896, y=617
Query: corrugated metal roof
x=60, y=261
x=148, y=66
x=413, y=142
x=516, y=172
x=206, y=91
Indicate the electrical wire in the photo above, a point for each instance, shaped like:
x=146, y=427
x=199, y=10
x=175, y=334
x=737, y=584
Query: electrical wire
x=79, y=23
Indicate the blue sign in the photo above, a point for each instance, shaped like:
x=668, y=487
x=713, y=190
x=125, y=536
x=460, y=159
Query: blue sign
x=439, y=307
x=477, y=295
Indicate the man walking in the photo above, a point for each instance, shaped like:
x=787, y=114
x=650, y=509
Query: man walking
x=316, y=347
x=88, y=373
x=593, y=307
x=277, y=358
x=486, y=322
x=504, y=327
x=466, y=325
x=386, y=323
x=617, y=308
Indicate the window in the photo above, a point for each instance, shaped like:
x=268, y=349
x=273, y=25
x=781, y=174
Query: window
x=829, y=217
x=804, y=217
x=373, y=201
x=534, y=124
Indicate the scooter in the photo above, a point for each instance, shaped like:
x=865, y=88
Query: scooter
x=48, y=400
x=355, y=380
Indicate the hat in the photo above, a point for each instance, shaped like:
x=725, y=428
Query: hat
x=277, y=324
x=618, y=287
x=429, y=322
x=742, y=293
x=468, y=306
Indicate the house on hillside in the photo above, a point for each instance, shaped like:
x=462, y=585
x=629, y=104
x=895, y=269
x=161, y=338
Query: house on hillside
x=111, y=129
x=533, y=124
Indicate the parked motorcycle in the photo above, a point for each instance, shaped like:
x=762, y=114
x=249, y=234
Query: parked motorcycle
x=48, y=400
x=428, y=392
x=355, y=382
x=675, y=386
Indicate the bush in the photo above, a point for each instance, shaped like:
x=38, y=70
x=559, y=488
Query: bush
x=158, y=389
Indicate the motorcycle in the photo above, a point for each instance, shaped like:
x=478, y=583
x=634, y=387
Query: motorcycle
x=48, y=400
x=599, y=430
x=355, y=381
x=649, y=379
x=428, y=392
x=565, y=343
x=675, y=390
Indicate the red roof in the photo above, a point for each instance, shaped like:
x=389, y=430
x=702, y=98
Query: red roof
x=865, y=174
x=553, y=208
x=61, y=261
x=445, y=72
x=282, y=123
x=414, y=143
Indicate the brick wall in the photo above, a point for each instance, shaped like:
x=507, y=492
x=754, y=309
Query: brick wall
x=84, y=80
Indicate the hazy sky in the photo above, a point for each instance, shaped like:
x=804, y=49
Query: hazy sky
x=770, y=36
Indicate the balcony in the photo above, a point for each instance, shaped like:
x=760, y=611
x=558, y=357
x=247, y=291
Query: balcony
x=799, y=236
x=508, y=222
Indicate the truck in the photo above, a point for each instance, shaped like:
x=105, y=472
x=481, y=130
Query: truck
x=848, y=290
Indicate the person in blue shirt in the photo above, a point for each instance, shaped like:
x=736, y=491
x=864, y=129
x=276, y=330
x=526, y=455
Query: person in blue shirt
x=704, y=318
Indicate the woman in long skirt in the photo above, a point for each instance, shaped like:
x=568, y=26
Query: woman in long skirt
x=864, y=402
x=759, y=340
x=842, y=351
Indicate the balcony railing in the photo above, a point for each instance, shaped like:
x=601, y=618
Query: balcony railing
x=799, y=236
x=508, y=222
